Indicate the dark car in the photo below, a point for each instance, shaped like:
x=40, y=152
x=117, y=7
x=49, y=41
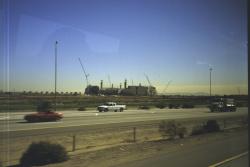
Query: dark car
x=222, y=105
x=43, y=116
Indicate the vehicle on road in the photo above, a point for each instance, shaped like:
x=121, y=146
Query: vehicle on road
x=111, y=106
x=222, y=105
x=43, y=116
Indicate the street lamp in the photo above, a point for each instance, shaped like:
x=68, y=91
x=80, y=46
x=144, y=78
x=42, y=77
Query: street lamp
x=55, y=71
x=210, y=69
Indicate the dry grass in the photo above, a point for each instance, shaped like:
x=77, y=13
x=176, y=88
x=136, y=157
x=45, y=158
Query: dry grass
x=96, y=139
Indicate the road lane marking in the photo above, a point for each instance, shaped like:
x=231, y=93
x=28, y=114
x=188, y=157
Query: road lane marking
x=112, y=119
x=229, y=159
x=135, y=112
x=34, y=123
x=135, y=119
x=44, y=123
x=4, y=118
x=70, y=126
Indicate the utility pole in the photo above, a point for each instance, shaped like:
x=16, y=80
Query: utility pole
x=55, y=71
x=238, y=90
x=210, y=69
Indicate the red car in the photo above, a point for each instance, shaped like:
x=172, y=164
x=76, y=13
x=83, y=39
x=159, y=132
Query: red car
x=43, y=116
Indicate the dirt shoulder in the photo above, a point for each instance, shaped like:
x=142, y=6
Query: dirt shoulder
x=119, y=154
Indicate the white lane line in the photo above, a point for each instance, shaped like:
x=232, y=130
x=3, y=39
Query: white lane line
x=107, y=121
x=135, y=118
x=44, y=123
x=66, y=126
x=36, y=123
x=229, y=159
x=4, y=118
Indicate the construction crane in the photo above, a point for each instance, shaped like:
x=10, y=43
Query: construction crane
x=85, y=74
x=166, y=87
x=150, y=86
x=148, y=80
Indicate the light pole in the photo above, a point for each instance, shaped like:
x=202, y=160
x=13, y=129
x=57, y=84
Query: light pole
x=55, y=71
x=210, y=69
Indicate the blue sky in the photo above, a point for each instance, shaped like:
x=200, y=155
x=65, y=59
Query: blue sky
x=177, y=40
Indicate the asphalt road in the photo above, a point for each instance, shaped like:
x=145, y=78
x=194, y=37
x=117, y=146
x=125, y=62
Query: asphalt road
x=242, y=162
x=15, y=122
x=199, y=155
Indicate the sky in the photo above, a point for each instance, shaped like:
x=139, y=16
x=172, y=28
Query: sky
x=174, y=41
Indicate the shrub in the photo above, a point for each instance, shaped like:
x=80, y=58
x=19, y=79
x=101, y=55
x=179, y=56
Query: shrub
x=186, y=105
x=171, y=129
x=198, y=130
x=173, y=106
x=81, y=109
x=160, y=105
x=212, y=126
x=144, y=107
x=43, y=153
x=181, y=131
x=44, y=106
x=167, y=129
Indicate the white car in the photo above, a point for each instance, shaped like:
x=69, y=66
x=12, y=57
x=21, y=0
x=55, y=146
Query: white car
x=111, y=106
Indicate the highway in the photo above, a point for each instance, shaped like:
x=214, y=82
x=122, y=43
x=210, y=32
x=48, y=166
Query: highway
x=13, y=126
x=202, y=155
x=15, y=121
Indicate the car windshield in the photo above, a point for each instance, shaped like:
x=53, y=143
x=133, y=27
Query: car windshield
x=230, y=101
x=108, y=104
x=139, y=83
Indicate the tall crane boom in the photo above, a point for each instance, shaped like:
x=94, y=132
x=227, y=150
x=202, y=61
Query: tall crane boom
x=151, y=89
x=148, y=80
x=85, y=74
x=167, y=86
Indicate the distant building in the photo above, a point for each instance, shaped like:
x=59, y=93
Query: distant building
x=126, y=91
x=138, y=91
x=109, y=91
x=92, y=90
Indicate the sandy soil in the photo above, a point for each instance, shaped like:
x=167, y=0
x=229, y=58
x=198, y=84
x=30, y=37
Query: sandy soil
x=122, y=153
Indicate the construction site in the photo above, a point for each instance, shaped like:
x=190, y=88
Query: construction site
x=137, y=90
x=126, y=90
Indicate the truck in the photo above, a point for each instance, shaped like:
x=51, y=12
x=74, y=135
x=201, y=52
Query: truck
x=111, y=106
x=222, y=105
